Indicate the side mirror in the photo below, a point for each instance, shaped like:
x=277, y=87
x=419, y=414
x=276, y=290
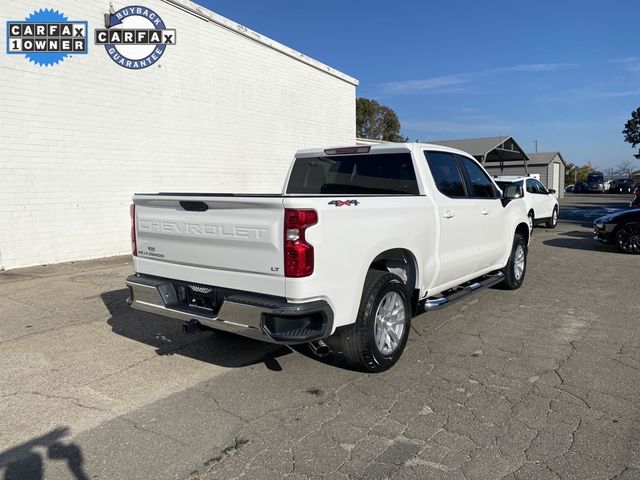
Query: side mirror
x=552, y=191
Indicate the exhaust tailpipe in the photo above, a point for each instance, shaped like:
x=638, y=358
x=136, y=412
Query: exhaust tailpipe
x=319, y=348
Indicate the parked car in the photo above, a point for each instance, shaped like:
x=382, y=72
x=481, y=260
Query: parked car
x=621, y=229
x=569, y=188
x=622, y=185
x=595, y=182
x=542, y=205
x=580, y=187
x=416, y=227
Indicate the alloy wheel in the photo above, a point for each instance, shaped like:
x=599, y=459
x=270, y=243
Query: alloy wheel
x=518, y=262
x=628, y=238
x=390, y=322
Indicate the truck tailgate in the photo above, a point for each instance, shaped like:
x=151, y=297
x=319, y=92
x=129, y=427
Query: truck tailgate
x=222, y=236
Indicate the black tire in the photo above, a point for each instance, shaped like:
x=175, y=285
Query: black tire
x=553, y=221
x=358, y=341
x=513, y=277
x=627, y=237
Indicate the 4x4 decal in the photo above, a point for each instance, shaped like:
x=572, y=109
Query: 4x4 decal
x=341, y=203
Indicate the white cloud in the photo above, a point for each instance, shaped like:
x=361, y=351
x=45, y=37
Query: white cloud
x=444, y=84
x=461, y=82
x=536, y=67
x=628, y=64
x=459, y=127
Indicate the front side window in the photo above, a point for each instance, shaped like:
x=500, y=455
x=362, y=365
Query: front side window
x=531, y=186
x=445, y=173
x=481, y=184
x=540, y=188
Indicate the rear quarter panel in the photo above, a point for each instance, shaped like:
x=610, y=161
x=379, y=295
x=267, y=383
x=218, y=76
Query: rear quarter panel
x=348, y=238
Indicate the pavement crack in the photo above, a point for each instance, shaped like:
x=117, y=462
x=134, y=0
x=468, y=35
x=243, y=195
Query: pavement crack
x=48, y=330
x=229, y=451
x=621, y=362
x=619, y=474
x=220, y=406
x=573, y=436
x=75, y=400
x=143, y=428
x=124, y=369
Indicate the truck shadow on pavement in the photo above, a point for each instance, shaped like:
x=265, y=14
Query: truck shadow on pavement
x=167, y=337
x=27, y=460
x=580, y=240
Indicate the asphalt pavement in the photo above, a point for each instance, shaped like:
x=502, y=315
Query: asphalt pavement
x=538, y=383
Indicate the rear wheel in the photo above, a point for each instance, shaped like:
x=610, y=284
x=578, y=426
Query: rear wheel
x=516, y=267
x=377, y=339
x=531, y=219
x=628, y=237
x=553, y=221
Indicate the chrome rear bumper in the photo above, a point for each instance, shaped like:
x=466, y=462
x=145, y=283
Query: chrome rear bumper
x=261, y=317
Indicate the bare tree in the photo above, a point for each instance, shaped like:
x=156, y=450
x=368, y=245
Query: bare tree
x=626, y=169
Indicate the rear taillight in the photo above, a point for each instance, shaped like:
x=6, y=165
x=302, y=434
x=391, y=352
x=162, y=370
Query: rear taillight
x=134, y=246
x=298, y=254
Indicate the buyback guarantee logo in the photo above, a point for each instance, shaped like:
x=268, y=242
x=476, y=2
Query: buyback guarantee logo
x=46, y=37
x=135, y=37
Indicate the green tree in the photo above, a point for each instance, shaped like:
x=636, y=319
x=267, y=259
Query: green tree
x=570, y=174
x=631, y=131
x=574, y=173
x=377, y=122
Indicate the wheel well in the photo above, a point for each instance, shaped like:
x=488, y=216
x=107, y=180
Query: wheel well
x=523, y=230
x=402, y=263
x=531, y=212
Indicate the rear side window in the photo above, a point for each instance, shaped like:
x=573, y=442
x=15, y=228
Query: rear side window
x=503, y=185
x=481, y=184
x=383, y=174
x=445, y=172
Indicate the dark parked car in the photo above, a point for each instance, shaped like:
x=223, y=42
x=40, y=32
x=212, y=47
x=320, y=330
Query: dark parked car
x=579, y=187
x=621, y=229
x=595, y=182
x=622, y=185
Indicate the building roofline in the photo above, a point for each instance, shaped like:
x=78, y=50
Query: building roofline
x=553, y=153
x=207, y=15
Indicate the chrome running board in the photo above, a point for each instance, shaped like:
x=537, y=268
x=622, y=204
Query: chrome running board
x=453, y=295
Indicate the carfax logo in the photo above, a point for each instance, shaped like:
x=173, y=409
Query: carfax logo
x=46, y=37
x=141, y=39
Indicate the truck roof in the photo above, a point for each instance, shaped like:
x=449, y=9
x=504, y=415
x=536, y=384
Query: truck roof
x=509, y=178
x=387, y=147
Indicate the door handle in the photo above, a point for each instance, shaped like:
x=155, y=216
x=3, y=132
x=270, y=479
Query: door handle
x=485, y=211
x=449, y=214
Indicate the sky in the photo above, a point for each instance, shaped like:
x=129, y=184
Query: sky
x=564, y=73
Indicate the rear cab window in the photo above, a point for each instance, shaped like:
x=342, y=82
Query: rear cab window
x=373, y=174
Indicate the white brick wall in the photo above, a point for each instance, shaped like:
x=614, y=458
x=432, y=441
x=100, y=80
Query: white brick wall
x=220, y=112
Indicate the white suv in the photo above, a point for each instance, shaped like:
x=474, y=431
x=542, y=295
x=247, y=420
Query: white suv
x=542, y=204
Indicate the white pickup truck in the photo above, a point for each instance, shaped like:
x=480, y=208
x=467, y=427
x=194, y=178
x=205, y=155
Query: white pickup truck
x=361, y=240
